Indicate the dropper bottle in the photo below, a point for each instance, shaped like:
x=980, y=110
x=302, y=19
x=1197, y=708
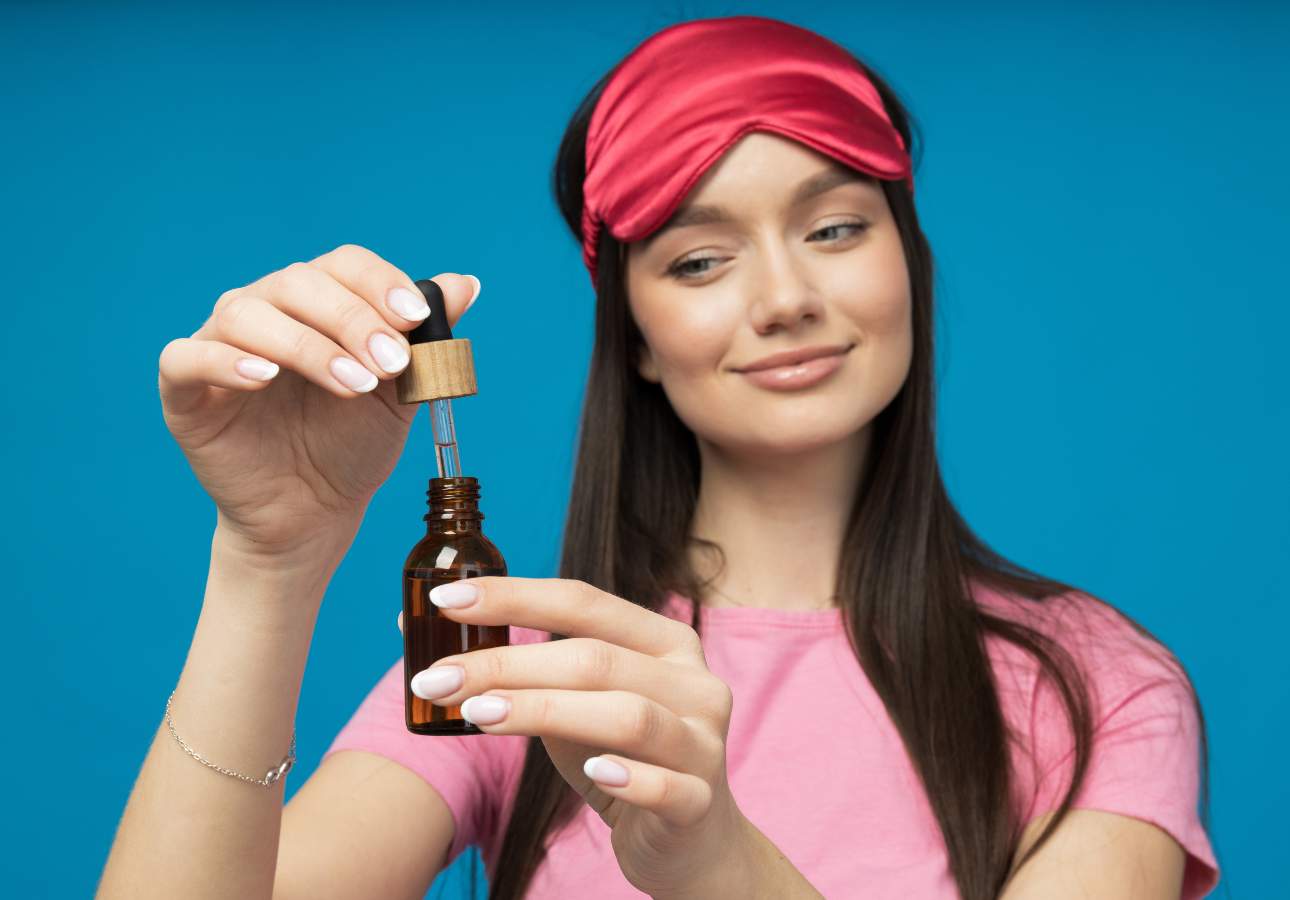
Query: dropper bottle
x=454, y=546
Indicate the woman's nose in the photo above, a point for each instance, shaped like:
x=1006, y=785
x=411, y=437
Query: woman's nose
x=783, y=297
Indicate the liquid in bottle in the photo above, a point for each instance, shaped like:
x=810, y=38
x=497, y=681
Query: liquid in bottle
x=454, y=548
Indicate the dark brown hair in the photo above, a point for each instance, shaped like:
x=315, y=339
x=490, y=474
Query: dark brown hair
x=903, y=583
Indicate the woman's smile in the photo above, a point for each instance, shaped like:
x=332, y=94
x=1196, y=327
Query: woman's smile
x=794, y=375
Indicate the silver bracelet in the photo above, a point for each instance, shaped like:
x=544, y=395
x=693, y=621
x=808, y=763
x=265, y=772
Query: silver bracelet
x=270, y=778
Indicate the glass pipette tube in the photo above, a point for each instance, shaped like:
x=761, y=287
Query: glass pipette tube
x=445, y=439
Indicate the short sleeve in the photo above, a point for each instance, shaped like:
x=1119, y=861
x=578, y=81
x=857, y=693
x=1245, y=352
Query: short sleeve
x=471, y=773
x=1145, y=760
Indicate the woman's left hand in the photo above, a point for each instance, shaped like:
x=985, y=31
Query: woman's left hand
x=629, y=714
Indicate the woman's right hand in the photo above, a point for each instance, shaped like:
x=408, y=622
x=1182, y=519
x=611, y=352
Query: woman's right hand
x=284, y=402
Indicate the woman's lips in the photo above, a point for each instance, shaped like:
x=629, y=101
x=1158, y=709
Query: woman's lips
x=797, y=376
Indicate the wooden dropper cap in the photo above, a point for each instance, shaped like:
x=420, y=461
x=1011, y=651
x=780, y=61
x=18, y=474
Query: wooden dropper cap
x=441, y=366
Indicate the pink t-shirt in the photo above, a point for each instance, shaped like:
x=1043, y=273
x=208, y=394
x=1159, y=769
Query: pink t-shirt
x=815, y=762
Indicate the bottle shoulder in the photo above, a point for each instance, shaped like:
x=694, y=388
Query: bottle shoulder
x=454, y=550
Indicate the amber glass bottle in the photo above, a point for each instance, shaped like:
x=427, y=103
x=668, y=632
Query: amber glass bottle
x=454, y=548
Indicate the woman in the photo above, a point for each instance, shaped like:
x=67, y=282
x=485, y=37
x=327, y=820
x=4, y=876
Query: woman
x=788, y=666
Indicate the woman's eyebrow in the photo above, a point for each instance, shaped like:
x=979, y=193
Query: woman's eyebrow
x=705, y=214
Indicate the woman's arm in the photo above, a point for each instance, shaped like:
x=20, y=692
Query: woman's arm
x=360, y=826
x=187, y=830
x=284, y=404
x=633, y=683
x=1098, y=854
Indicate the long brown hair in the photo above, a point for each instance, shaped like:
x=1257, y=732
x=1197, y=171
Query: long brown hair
x=903, y=582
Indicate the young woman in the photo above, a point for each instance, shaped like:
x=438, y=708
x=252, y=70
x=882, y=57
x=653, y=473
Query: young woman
x=786, y=666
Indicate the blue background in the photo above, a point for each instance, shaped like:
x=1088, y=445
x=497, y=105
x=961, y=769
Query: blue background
x=1104, y=185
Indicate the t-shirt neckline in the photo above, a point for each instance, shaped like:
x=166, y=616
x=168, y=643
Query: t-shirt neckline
x=755, y=615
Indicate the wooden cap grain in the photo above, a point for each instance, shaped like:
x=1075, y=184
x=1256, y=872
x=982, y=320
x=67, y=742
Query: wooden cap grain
x=439, y=370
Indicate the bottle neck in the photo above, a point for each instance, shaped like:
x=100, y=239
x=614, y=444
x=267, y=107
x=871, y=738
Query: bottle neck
x=454, y=504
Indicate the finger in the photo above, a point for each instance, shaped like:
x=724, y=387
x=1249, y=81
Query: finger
x=676, y=797
x=616, y=720
x=567, y=607
x=254, y=324
x=400, y=621
x=311, y=296
x=583, y=664
x=459, y=293
x=382, y=284
x=187, y=367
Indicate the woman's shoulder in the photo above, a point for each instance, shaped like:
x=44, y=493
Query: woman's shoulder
x=1145, y=755
x=1105, y=645
x=1138, y=693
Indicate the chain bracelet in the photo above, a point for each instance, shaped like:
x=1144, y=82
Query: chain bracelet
x=270, y=778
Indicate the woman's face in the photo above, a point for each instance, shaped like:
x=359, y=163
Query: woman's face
x=776, y=268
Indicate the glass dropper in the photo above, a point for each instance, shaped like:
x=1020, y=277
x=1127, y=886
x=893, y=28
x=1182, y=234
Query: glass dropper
x=445, y=439
x=441, y=368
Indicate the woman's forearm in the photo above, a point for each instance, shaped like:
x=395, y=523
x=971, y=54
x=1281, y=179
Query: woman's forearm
x=773, y=875
x=187, y=830
x=751, y=867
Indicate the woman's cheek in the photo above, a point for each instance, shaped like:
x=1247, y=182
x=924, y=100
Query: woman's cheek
x=690, y=332
x=888, y=312
x=704, y=410
x=875, y=301
x=691, y=377
x=889, y=346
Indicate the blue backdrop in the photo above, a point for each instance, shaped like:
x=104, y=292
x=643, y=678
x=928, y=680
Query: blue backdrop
x=1105, y=189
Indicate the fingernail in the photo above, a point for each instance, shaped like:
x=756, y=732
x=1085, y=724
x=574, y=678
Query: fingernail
x=352, y=375
x=409, y=305
x=454, y=595
x=257, y=369
x=606, y=772
x=478, y=287
x=437, y=681
x=388, y=352
x=485, y=710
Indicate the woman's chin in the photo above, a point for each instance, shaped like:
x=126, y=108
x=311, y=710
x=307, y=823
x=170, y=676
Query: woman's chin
x=787, y=439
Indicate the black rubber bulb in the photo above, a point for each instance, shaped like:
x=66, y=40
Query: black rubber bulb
x=435, y=327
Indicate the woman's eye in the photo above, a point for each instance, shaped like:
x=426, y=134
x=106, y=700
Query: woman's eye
x=679, y=270
x=858, y=226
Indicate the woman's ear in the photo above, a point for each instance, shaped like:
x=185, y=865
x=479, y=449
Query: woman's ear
x=645, y=364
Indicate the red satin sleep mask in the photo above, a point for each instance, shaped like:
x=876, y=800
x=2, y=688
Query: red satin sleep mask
x=685, y=95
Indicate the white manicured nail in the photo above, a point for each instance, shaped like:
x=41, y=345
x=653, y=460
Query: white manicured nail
x=257, y=369
x=606, y=772
x=437, y=681
x=454, y=595
x=352, y=375
x=485, y=710
x=478, y=287
x=409, y=305
x=388, y=352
